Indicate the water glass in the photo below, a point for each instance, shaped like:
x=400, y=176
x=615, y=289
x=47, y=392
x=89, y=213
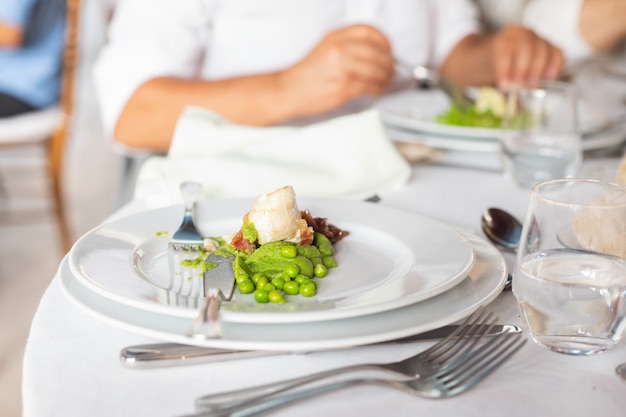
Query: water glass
x=570, y=277
x=540, y=137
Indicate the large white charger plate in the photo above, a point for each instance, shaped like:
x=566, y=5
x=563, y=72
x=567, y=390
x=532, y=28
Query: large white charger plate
x=390, y=259
x=413, y=112
x=484, y=283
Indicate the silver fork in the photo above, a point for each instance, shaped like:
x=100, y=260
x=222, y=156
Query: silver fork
x=464, y=338
x=186, y=244
x=452, y=377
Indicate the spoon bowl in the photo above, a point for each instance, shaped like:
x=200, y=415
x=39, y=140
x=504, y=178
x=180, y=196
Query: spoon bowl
x=621, y=370
x=502, y=228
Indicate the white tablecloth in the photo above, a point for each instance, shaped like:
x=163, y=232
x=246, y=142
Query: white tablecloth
x=71, y=365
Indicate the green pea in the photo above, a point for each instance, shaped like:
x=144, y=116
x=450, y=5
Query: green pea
x=301, y=278
x=305, y=265
x=279, y=283
x=276, y=297
x=255, y=277
x=307, y=281
x=320, y=271
x=262, y=281
x=307, y=290
x=269, y=287
x=292, y=270
x=246, y=286
x=291, y=287
x=288, y=251
x=261, y=296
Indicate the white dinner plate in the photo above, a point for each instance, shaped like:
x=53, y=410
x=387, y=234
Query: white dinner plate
x=390, y=259
x=413, y=113
x=486, y=280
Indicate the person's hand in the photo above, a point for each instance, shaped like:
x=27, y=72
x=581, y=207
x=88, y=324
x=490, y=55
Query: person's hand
x=521, y=57
x=350, y=62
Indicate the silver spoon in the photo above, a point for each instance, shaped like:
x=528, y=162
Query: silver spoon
x=503, y=229
x=621, y=370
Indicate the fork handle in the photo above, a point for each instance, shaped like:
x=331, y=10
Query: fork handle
x=190, y=191
x=262, y=404
x=228, y=399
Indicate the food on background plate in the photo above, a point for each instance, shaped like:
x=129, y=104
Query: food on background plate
x=279, y=250
x=486, y=112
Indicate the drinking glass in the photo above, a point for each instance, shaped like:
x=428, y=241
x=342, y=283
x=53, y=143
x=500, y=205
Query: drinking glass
x=570, y=277
x=540, y=138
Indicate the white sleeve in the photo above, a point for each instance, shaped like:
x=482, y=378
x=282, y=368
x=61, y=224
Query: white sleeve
x=148, y=39
x=453, y=20
x=558, y=22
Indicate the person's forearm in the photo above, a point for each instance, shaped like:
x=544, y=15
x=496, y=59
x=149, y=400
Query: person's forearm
x=149, y=118
x=10, y=36
x=603, y=23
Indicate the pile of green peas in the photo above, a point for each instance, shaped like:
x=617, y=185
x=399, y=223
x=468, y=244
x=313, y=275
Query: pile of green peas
x=283, y=268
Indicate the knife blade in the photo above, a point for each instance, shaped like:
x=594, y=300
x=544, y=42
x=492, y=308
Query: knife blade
x=155, y=355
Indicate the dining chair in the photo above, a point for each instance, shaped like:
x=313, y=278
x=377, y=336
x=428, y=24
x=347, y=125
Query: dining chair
x=50, y=128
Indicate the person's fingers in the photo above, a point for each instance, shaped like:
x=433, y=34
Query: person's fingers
x=367, y=34
x=368, y=63
x=555, y=65
x=523, y=52
x=503, y=61
x=522, y=57
x=538, y=65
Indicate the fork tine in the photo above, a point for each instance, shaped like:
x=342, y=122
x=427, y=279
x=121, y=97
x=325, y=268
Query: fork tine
x=473, y=336
x=465, y=337
x=467, y=371
x=459, y=332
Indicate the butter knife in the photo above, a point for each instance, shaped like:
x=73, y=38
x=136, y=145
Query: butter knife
x=155, y=355
x=218, y=284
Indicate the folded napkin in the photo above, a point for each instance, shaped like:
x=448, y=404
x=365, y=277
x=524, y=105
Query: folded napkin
x=345, y=157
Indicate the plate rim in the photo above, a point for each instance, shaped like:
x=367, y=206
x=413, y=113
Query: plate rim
x=455, y=312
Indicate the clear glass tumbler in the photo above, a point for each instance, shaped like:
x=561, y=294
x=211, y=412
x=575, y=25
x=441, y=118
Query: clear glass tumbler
x=540, y=138
x=570, y=277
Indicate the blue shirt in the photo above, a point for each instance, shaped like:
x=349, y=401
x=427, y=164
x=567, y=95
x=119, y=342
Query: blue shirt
x=32, y=72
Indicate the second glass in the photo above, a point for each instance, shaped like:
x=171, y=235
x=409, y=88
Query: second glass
x=540, y=134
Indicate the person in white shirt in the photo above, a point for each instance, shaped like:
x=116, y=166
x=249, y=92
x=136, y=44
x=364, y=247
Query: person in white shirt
x=273, y=61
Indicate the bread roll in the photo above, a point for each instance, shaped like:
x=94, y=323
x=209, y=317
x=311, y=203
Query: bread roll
x=603, y=228
x=621, y=171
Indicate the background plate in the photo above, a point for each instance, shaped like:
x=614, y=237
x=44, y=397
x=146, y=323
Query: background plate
x=410, y=116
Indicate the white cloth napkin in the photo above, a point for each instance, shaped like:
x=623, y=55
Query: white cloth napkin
x=345, y=157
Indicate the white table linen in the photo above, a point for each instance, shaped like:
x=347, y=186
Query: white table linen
x=71, y=365
x=233, y=160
